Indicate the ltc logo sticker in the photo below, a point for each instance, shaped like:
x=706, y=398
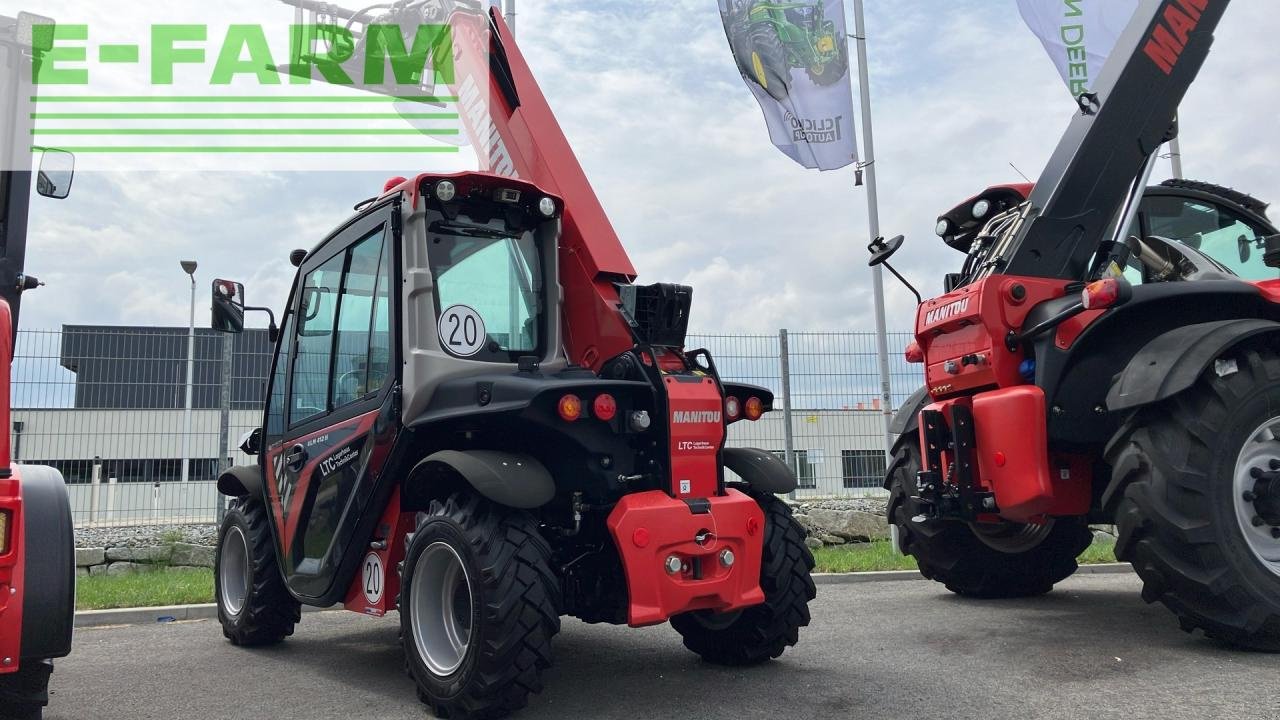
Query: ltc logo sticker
x=372, y=575
x=462, y=331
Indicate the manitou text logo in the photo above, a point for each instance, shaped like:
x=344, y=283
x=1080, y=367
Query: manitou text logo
x=946, y=312
x=695, y=417
x=1172, y=32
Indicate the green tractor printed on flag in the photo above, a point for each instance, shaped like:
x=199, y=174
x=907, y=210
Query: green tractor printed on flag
x=770, y=38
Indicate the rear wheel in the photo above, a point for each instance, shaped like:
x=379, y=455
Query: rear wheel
x=479, y=606
x=767, y=61
x=1200, y=514
x=761, y=632
x=980, y=559
x=254, y=606
x=23, y=694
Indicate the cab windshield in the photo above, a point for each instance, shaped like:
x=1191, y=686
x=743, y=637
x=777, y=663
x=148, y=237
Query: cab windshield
x=484, y=271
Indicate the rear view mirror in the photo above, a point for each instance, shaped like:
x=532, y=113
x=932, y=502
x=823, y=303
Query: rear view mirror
x=57, y=169
x=228, y=306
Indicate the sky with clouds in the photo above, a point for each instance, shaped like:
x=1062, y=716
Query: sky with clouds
x=674, y=144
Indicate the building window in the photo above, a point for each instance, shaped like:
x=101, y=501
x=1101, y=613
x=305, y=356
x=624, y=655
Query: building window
x=862, y=468
x=804, y=470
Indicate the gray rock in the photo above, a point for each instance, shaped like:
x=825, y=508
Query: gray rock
x=125, y=568
x=90, y=556
x=82, y=571
x=187, y=555
x=832, y=540
x=812, y=543
x=153, y=554
x=98, y=570
x=851, y=524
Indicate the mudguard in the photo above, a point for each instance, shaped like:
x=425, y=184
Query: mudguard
x=907, y=419
x=48, y=605
x=511, y=479
x=241, y=481
x=1174, y=361
x=763, y=471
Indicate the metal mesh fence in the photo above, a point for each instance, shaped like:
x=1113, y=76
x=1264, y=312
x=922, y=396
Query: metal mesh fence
x=107, y=406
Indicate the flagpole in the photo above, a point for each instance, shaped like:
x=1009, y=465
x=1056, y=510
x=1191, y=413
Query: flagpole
x=873, y=221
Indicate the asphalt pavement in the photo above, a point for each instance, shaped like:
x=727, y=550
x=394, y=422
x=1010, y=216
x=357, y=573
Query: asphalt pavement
x=1091, y=649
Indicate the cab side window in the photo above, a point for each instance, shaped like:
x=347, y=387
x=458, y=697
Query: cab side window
x=343, y=338
x=275, y=401
x=1232, y=241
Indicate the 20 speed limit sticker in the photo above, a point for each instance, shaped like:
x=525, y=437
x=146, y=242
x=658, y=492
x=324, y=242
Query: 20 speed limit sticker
x=461, y=331
x=371, y=576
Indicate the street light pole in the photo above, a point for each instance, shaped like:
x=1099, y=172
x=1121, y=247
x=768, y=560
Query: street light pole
x=189, y=267
x=510, y=16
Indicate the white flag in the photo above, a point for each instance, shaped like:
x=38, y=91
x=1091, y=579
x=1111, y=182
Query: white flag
x=1078, y=34
x=795, y=58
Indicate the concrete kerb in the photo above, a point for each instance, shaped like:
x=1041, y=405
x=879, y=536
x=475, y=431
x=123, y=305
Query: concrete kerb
x=178, y=613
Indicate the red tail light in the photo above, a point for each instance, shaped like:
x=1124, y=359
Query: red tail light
x=754, y=408
x=913, y=353
x=732, y=408
x=1106, y=293
x=605, y=407
x=570, y=408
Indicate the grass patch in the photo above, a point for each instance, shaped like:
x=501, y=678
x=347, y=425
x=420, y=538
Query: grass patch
x=185, y=586
x=881, y=555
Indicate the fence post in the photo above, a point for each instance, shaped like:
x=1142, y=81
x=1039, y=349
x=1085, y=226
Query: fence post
x=784, y=360
x=95, y=488
x=224, y=423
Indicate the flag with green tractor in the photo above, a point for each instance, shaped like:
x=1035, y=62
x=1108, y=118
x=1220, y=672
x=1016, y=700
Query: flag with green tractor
x=794, y=57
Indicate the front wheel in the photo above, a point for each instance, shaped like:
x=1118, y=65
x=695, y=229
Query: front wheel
x=23, y=694
x=254, y=606
x=981, y=560
x=761, y=632
x=479, y=606
x=1200, y=515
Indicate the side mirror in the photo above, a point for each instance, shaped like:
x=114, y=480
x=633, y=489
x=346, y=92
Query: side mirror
x=251, y=442
x=228, y=306
x=1271, y=256
x=882, y=251
x=57, y=169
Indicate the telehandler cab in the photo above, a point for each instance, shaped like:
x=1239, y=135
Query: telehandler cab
x=1105, y=359
x=475, y=417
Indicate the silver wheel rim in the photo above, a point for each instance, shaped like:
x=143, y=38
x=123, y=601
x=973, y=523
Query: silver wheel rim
x=233, y=571
x=1010, y=538
x=1262, y=446
x=441, y=600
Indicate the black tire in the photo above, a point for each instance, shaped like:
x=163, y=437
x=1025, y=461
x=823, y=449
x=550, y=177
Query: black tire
x=1177, y=517
x=761, y=632
x=834, y=71
x=954, y=554
x=514, y=602
x=268, y=612
x=767, y=61
x=23, y=694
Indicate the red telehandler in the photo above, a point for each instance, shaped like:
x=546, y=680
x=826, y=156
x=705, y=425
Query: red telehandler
x=37, y=549
x=1085, y=367
x=476, y=418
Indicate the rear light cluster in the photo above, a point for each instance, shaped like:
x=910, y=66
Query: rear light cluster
x=4, y=532
x=1106, y=293
x=604, y=407
x=735, y=409
x=914, y=354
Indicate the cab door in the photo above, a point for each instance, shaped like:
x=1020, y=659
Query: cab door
x=336, y=424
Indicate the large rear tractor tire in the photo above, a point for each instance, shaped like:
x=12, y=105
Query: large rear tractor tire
x=254, y=606
x=767, y=61
x=479, y=606
x=762, y=632
x=981, y=561
x=1200, y=515
x=23, y=694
